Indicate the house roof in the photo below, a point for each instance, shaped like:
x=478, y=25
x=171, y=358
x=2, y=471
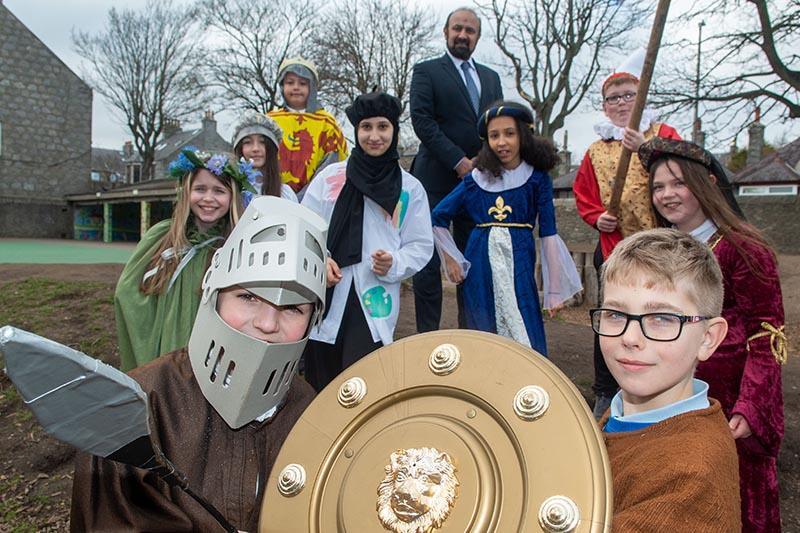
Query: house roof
x=565, y=181
x=166, y=148
x=108, y=161
x=781, y=166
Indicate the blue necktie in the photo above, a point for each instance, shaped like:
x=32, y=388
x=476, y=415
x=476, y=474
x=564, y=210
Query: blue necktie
x=472, y=89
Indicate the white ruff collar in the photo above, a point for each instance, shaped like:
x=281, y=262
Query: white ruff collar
x=608, y=131
x=509, y=179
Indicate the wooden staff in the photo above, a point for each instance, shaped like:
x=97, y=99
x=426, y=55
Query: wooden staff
x=641, y=96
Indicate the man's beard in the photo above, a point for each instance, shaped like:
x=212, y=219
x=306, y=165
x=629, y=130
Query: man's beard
x=460, y=50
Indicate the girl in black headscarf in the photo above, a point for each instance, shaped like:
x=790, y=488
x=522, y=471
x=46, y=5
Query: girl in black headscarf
x=379, y=234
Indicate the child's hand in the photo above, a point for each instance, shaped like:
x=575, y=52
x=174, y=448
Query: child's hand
x=740, y=429
x=606, y=222
x=632, y=139
x=334, y=274
x=454, y=271
x=381, y=262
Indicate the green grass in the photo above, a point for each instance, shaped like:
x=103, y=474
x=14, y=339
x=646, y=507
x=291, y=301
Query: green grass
x=79, y=314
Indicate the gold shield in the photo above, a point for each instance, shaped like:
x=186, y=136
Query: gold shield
x=449, y=431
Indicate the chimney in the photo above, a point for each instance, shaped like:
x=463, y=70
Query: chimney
x=698, y=136
x=755, y=146
x=209, y=123
x=127, y=150
x=565, y=157
x=171, y=127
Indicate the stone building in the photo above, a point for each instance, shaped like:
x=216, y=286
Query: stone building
x=45, y=135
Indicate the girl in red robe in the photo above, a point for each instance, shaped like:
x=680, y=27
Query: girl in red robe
x=690, y=192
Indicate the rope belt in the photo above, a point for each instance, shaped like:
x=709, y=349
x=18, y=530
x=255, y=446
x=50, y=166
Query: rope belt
x=503, y=225
x=778, y=344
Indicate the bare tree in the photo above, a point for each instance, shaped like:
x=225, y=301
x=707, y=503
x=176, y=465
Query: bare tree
x=145, y=64
x=365, y=44
x=749, y=59
x=250, y=39
x=557, y=48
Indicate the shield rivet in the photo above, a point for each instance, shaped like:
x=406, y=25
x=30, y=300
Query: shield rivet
x=256, y=215
x=444, y=359
x=292, y=480
x=531, y=402
x=352, y=392
x=559, y=514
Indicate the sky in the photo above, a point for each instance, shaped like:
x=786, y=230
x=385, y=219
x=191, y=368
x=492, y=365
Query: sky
x=53, y=22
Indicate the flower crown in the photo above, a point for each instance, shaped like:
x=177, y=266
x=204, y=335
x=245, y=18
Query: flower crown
x=190, y=158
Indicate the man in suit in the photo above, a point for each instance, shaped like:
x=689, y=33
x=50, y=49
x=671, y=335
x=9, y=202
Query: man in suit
x=447, y=95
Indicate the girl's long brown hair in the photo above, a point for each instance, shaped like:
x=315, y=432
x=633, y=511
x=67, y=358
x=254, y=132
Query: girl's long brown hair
x=732, y=228
x=176, y=238
x=271, y=173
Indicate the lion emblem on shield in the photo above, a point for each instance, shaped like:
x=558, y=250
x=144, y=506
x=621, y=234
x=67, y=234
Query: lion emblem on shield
x=418, y=491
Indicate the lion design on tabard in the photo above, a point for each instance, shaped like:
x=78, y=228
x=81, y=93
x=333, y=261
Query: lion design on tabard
x=418, y=491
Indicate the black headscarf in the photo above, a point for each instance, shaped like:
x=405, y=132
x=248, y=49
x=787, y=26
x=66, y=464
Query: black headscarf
x=379, y=178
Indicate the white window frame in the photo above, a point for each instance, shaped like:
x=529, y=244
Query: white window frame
x=768, y=190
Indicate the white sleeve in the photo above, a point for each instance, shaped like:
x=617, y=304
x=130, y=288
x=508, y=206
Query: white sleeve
x=416, y=239
x=559, y=275
x=446, y=245
x=312, y=198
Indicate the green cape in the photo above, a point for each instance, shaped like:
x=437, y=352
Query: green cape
x=151, y=325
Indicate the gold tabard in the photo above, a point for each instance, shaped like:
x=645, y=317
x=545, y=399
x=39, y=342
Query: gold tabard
x=635, y=208
x=449, y=431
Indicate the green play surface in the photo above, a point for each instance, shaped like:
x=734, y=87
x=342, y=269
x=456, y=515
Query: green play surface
x=62, y=251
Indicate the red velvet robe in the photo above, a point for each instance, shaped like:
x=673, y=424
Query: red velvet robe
x=749, y=382
x=587, y=193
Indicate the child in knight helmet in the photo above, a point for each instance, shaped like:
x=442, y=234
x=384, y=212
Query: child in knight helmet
x=691, y=192
x=673, y=460
x=221, y=407
x=508, y=192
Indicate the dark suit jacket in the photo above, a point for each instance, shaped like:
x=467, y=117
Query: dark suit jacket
x=444, y=120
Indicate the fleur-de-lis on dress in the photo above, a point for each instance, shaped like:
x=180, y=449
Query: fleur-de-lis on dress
x=500, y=209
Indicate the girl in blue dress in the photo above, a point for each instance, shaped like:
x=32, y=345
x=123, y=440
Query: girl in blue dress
x=507, y=194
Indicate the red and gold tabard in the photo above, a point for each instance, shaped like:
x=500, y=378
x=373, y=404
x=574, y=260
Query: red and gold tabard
x=594, y=182
x=635, y=208
x=307, y=139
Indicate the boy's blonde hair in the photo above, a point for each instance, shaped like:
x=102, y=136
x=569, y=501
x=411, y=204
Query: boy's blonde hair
x=668, y=258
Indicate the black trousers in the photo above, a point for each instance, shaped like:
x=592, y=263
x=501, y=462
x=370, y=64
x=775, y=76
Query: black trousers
x=604, y=382
x=326, y=361
x=428, y=281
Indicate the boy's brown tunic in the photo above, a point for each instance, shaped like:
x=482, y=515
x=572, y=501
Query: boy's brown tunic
x=227, y=467
x=680, y=474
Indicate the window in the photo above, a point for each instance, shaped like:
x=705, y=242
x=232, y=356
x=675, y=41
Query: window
x=134, y=172
x=768, y=190
x=95, y=176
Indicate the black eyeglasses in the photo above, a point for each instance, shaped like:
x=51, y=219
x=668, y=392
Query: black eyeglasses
x=615, y=99
x=662, y=327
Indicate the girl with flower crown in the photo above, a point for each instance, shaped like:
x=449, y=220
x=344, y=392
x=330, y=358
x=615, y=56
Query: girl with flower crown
x=158, y=292
x=505, y=196
x=255, y=142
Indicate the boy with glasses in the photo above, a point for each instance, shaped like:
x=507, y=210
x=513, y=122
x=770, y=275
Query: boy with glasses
x=673, y=460
x=595, y=178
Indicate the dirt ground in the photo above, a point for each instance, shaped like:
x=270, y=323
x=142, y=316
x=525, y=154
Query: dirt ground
x=35, y=471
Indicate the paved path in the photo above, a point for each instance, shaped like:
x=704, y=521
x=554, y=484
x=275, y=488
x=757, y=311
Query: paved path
x=48, y=251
